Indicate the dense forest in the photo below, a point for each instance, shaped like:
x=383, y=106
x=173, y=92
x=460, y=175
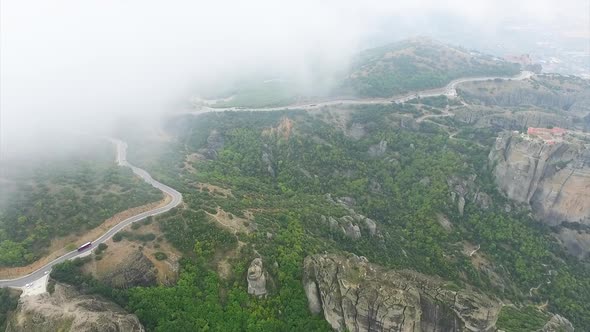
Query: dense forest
x=63, y=196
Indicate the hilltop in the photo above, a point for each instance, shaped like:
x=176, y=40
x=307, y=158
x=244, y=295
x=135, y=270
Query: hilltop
x=417, y=64
x=397, y=68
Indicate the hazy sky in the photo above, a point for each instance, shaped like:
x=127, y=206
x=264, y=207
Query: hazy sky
x=72, y=63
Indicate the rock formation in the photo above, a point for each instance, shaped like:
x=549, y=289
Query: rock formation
x=267, y=160
x=68, y=310
x=544, y=100
x=355, y=295
x=501, y=118
x=464, y=189
x=558, y=323
x=556, y=92
x=378, y=150
x=256, y=278
x=350, y=225
x=553, y=177
x=135, y=270
x=215, y=143
x=576, y=241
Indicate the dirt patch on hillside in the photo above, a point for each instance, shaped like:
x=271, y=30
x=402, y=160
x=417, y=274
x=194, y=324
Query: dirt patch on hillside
x=63, y=245
x=283, y=129
x=214, y=190
x=232, y=222
x=190, y=160
x=223, y=260
x=483, y=264
x=118, y=252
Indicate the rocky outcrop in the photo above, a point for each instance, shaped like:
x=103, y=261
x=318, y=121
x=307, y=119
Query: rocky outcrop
x=378, y=150
x=350, y=225
x=464, y=189
x=544, y=100
x=556, y=92
x=135, y=270
x=256, y=278
x=215, y=143
x=575, y=241
x=68, y=310
x=267, y=161
x=558, y=323
x=553, y=177
x=509, y=119
x=355, y=295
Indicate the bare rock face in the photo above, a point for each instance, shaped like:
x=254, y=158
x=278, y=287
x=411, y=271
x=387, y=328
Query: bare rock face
x=558, y=323
x=549, y=91
x=355, y=295
x=576, y=241
x=552, y=177
x=464, y=189
x=256, y=278
x=68, y=310
x=461, y=205
x=135, y=270
x=487, y=116
x=378, y=150
x=215, y=143
x=350, y=225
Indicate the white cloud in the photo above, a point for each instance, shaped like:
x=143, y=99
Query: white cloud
x=66, y=62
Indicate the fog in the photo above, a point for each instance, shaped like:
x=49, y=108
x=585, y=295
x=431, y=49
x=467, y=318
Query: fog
x=85, y=65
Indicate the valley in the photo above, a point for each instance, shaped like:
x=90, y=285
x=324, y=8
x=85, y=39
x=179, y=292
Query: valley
x=425, y=211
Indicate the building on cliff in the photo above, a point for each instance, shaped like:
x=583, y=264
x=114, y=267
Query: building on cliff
x=548, y=135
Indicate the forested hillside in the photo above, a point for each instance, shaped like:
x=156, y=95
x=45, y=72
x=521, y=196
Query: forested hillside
x=63, y=196
x=398, y=68
x=418, y=64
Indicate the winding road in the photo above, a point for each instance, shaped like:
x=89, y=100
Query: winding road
x=121, y=161
x=448, y=90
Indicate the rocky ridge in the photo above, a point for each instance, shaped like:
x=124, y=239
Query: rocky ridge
x=351, y=224
x=356, y=295
x=569, y=95
x=68, y=310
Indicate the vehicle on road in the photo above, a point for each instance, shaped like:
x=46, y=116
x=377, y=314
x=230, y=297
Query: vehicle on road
x=84, y=246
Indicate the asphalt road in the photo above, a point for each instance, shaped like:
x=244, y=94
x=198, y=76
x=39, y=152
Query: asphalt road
x=448, y=90
x=122, y=161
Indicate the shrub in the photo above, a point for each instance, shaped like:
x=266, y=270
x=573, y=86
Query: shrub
x=117, y=237
x=146, y=237
x=51, y=286
x=160, y=256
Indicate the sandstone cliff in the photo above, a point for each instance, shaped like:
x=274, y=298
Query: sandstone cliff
x=355, y=295
x=568, y=94
x=68, y=310
x=513, y=119
x=553, y=178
